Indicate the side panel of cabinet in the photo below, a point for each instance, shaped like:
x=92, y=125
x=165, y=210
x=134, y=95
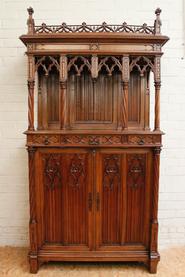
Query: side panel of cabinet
x=65, y=197
x=123, y=199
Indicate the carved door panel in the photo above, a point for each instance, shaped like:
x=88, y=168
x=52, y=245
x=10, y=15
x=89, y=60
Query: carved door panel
x=122, y=199
x=66, y=197
x=110, y=199
x=138, y=182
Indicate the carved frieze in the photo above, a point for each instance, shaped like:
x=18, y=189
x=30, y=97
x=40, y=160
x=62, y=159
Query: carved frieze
x=94, y=140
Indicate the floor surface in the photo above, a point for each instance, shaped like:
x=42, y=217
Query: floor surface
x=13, y=263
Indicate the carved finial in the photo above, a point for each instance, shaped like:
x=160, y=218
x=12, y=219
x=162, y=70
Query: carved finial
x=30, y=21
x=30, y=11
x=157, y=22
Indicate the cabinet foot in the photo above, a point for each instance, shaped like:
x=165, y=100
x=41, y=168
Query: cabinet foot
x=153, y=262
x=34, y=264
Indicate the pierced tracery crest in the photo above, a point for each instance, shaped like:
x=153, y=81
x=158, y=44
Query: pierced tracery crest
x=111, y=176
x=136, y=170
x=76, y=171
x=52, y=171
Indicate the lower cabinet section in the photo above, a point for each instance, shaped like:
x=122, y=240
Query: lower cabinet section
x=92, y=204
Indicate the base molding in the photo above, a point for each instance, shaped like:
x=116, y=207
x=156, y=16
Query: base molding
x=149, y=259
x=153, y=262
x=34, y=263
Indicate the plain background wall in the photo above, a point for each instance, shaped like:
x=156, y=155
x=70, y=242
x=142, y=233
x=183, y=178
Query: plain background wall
x=14, y=207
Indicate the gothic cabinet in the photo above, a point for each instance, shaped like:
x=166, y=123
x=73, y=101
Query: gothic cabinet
x=93, y=159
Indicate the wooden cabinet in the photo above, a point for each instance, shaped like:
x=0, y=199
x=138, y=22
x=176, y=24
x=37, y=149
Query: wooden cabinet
x=93, y=158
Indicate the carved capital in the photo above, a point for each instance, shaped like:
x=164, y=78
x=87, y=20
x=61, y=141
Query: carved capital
x=157, y=150
x=31, y=84
x=63, y=84
x=125, y=84
x=157, y=85
x=31, y=150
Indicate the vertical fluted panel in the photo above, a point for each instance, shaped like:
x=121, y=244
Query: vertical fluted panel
x=33, y=222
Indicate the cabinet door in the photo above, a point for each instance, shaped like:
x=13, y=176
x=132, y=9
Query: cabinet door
x=122, y=199
x=65, y=189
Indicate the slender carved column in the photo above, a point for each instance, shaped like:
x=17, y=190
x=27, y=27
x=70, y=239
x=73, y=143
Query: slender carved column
x=33, y=220
x=154, y=255
x=157, y=82
x=31, y=84
x=147, y=104
x=124, y=102
x=30, y=21
x=63, y=91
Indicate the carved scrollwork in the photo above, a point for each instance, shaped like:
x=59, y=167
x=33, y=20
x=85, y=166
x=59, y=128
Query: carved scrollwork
x=79, y=63
x=76, y=171
x=47, y=63
x=142, y=64
x=52, y=171
x=111, y=171
x=136, y=170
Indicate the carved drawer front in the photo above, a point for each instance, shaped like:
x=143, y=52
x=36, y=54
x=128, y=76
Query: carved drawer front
x=66, y=188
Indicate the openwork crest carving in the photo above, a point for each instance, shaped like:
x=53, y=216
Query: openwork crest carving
x=136, y=170
x=76, y=171
x=52, y=171
x=111, y=176
x=86, y=28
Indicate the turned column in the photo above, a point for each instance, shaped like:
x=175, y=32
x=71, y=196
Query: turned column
x=124, y=99
x=154, y=255
x=157, y=83
x=31, y=84
x=33, y=219
x=63, y=91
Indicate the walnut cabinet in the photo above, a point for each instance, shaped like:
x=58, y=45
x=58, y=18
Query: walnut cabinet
x=93, y=157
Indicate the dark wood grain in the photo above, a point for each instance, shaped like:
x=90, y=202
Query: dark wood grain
x=93, y=159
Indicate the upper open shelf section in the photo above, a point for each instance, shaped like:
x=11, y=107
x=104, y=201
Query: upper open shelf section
x=93, y=77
